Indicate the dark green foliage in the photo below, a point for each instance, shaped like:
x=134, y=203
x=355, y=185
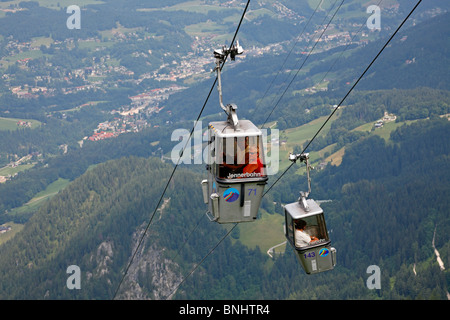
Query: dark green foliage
x=105, y=205
x=70, y=166
x=382, y=214
x=387, y=202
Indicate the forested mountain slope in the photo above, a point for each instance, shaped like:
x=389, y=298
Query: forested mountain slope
x=387, y=202
x=417, y=56
x=95, y=223
x=388, y=199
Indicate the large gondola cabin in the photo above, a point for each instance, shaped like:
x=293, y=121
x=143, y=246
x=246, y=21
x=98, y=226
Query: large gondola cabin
x=236, y=172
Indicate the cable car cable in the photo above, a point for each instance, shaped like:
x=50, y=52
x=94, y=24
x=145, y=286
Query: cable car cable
x=174, y=169
x=204, y=258
x=292, y=163
x=273, y=100
x=292, y=80
x=373, y=60
x=360, y=77
x=284, y=62
x=339, y=57
x=351, y=89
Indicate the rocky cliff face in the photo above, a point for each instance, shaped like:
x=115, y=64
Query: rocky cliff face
x=96, y=223
x=151, y=276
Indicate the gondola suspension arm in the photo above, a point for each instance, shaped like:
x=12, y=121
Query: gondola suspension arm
x=304, y=157
x=220, y=55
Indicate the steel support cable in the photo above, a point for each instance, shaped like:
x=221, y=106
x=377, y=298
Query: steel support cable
x=304, y=61
x=321, y=24
x=373, y=60
x=360, y=77
x=318, y=29
x=204, y=258
x=351, y=89
x=179, y=158
x=188, y=237
x=284, y=62
x=340, y=56
x=281, y=175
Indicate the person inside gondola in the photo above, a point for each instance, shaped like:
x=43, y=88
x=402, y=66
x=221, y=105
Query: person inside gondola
x=254, y=162
x=302, y=239
x=233, y=161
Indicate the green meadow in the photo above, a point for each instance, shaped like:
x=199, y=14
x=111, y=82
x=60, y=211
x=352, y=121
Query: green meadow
x=11, y=123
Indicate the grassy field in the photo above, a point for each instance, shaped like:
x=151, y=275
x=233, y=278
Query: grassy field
x=219, y=29
x=15, y=228
x=87, y=104
x=203, y=29
x=196, y=6
x=37, y=42
x=51, y=4
x=32, y=54
x=299, y=135
x=5, y=171
x=39, y=198
x=11, y=123
x=385, y=131
x=265, y=232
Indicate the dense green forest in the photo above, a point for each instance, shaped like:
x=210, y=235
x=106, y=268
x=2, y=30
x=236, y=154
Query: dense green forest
x=71, y=165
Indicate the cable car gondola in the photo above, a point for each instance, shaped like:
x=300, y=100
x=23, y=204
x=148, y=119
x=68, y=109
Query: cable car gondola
x=306, y=231
x=236, y=167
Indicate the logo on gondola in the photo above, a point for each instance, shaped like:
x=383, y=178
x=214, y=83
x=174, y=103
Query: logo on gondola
x=231, y=195
x=324, y=252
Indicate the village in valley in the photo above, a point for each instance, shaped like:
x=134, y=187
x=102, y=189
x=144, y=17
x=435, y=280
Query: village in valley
x=135, y=116
x=69, y=70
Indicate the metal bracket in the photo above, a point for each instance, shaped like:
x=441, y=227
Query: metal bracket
x=220, y=56
x=304, y=157
x=210, y=217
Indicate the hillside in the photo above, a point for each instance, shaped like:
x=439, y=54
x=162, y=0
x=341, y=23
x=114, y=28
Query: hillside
x=417, y=57
x=388, y=199
x=409, y=61
x=96, y=222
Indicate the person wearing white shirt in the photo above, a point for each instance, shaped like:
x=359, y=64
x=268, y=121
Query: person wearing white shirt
x=301, y=237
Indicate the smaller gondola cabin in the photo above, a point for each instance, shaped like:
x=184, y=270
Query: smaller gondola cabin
x=307, y=234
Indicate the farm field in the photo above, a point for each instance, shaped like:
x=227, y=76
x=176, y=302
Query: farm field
x=11, y=123
x=41, y=197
